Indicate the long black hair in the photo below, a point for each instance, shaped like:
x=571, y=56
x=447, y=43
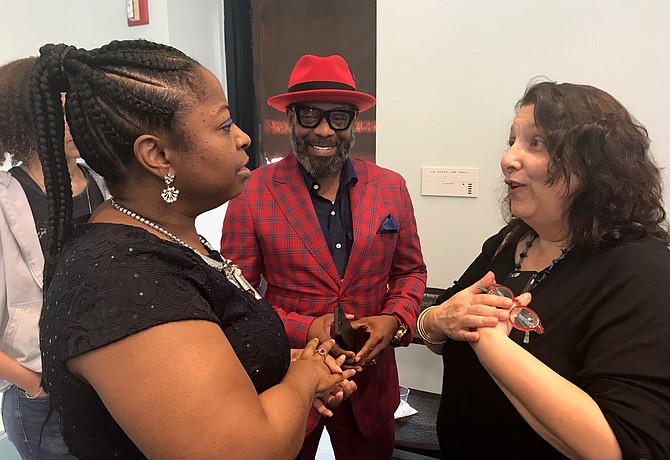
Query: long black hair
x=592, y=137
x=114, y=94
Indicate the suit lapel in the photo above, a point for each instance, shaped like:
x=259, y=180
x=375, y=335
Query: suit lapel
x=292, y=197
x=363, y=211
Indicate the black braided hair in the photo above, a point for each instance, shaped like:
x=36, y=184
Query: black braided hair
x=114, y=94
x=16, y=133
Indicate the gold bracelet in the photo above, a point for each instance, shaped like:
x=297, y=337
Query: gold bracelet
x=36, y=395
x=422, y=331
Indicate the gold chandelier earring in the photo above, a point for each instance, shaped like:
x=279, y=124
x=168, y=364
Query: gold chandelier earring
x=170, y=193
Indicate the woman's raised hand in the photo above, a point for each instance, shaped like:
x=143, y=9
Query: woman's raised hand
x=460, y=316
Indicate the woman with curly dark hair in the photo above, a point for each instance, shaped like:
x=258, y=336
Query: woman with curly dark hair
x=153, y=345
x=581, y=371
x=23, y=223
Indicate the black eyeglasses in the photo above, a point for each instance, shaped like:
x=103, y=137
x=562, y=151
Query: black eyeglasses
x=310, y=117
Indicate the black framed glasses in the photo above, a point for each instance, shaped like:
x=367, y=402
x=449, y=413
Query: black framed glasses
x=310, y=117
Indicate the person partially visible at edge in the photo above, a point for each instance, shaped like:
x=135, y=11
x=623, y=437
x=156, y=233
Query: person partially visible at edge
x=31, y=428
x=327, y=230
x=152, y=344
x=588, y=229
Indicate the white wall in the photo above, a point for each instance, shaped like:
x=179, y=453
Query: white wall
x=196, y=27
x=193, y=26
x=448, y=75
x=28, y=24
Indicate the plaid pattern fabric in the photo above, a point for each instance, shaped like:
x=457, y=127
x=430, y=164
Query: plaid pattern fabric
x=271, y=229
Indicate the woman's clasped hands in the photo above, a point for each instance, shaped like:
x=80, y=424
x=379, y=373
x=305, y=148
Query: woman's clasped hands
x=334, y=385
x=460, y=317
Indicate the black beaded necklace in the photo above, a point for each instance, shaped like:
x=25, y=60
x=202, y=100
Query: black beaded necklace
x=544, y=273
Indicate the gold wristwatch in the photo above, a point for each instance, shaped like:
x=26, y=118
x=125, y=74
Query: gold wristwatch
x=396, y=341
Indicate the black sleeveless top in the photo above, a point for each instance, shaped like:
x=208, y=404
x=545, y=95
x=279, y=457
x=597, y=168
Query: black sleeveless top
x=115, y=280
x=83, y=204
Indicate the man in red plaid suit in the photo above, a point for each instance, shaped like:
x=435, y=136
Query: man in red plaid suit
x=325, y=230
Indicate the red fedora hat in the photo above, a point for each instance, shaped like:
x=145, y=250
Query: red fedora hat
x=322, y=79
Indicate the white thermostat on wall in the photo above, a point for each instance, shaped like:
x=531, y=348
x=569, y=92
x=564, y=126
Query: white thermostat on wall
x=462, y=182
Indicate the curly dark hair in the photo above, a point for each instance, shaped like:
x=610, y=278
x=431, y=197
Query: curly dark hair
x=114, y=94
x=592, y=137
x=16, y=132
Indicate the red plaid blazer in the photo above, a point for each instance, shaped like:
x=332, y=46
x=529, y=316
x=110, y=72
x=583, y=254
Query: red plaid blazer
x=271, y=229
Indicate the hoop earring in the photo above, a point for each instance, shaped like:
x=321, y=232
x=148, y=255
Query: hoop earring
x=170, y=193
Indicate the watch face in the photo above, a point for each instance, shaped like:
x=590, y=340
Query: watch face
x=400, y=333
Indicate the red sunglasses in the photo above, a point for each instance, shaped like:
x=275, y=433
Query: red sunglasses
x=522, y=318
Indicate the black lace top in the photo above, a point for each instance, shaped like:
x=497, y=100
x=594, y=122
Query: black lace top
x=115, y=280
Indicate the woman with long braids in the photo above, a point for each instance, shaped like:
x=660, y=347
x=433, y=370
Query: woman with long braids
x=153, y=344
x=23, y=221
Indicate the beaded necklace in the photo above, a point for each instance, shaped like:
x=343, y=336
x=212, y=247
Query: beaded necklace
x=231, y=271
x=544, y=273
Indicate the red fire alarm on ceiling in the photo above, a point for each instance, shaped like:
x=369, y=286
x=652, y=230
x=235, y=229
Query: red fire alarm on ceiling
x=138, y=12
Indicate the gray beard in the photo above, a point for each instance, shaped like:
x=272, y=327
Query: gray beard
x=312, y=165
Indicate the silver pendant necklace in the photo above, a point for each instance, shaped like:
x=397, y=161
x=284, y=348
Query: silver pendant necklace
x=231, y=271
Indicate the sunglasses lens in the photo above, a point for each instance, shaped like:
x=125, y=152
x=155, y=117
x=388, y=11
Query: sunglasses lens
x=309, y=117
x=524, y=318
x=339, y=119
x=499, y=289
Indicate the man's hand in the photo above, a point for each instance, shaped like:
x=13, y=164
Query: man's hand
x=381, y=328
x=320, y=328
